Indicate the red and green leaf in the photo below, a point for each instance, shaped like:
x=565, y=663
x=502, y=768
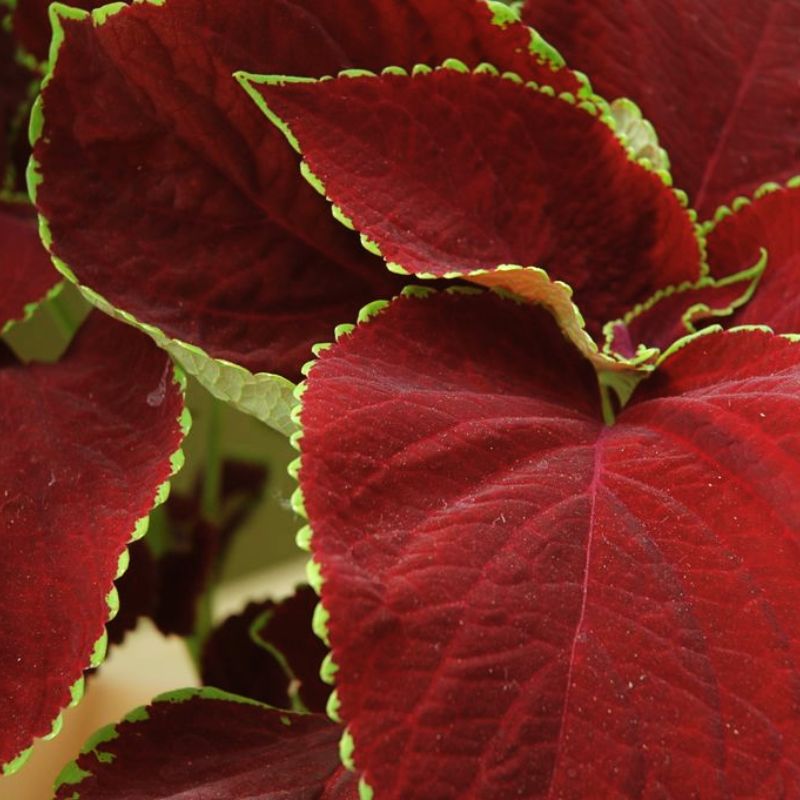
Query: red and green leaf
x=675, y=312
x=167, y=195
x=206, y=745
x=25, y=265
x=270, y=653
x=770, y=221
x=548, y=606
x=89, y=444
x=449, y=173
x=721, y=89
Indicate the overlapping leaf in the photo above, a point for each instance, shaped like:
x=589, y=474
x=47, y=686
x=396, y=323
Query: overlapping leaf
x=269, y=652
x=89, y=443
x=721, y=88
x=770, y=221
x=217, y=746
x=546, y=606
x=27, y=273
x=168, y=195
x=452, y=173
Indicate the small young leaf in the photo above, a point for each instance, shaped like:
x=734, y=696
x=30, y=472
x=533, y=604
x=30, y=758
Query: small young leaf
x=547, y=606
x=451, y=173
x=270, y=653
x=770, y=221
x=209, y=745
x=89, y=445
x=721, y=89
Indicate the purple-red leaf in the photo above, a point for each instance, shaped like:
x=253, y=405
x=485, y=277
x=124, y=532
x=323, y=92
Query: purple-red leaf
x=168, y=195
x=449, y=173
x=525, y=602
x=677, y=311
x=771, y=221
x=207, y=745
x=720, y=88
x=270, y=653
x=89, y=443
x=25, y=267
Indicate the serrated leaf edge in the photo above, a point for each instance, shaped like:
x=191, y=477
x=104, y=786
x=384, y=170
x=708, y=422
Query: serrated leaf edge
x=264, y=395
x=176, y=461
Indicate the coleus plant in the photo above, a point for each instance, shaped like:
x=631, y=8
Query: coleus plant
x=553, y=515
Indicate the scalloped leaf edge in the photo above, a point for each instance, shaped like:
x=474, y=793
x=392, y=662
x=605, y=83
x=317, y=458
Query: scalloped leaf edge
x=140, y=527
x=264, y=395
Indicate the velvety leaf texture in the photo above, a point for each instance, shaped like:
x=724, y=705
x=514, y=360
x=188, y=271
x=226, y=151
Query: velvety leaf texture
x=536, y=181
x=773, y=222
x=220, y=747
x=167, y=193
x=24, y=264
x=720, y=88
x=270, y=653
x=547, y=606
x=89, y=443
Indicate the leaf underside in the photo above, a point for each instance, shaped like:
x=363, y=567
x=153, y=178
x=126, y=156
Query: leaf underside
x=89, y=444
x=166, y=193
x=721, y=90
x=547, y=606
x=450, y=172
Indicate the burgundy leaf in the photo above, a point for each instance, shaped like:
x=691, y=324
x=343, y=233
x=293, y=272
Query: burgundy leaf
x=89, y=444
x=208, y=745
x=167, y=194
x=31, y=23
x=771, y=221
x=25, y=265
x=721, y=89
x=270, y=653
x=525, y=602
x=677, y=311
x=537, y=181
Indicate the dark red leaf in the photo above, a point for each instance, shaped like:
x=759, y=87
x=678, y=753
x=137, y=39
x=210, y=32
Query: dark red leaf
x=526, y=603
x=721, y=89
x=169, y=196
x=677, y=311
x=270, y=653
x=25, y=265
x=208, y=745
x=89, y=443
x=771, y=221
x=31, y=23
x=537, y=182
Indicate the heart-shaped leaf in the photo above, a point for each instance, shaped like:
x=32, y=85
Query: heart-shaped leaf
x=167, y=195
x=89, y=445
x=538, y=181
x=209, y=745
x=547, y=606
x=721, y=88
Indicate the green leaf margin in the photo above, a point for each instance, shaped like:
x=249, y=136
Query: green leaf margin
x=112, y=598
x=264, y=395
